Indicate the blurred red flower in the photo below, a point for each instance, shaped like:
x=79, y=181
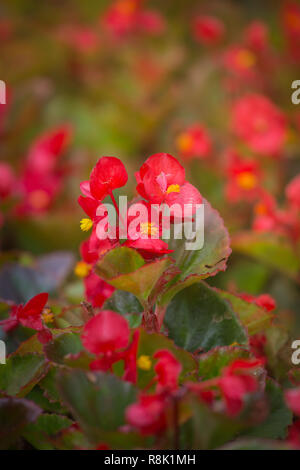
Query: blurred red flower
x=257, y=121
x=237, y=381
x=208, y=29
x=194, y=142
x=148, y=414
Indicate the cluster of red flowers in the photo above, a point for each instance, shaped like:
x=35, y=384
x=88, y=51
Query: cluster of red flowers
x=160, y=180
x=41, y=176
x=125, y=17
x=107, y=335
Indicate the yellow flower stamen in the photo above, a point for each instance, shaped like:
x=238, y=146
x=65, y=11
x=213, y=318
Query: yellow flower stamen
x=149, y=228
x=39, y=199
x=82, y=269
x=86, y=224
x=246, y=59
x=184, y=142
x=247, y=180
x=173, y=188
x=144, y=362
x=260, y=209
x=47, y=316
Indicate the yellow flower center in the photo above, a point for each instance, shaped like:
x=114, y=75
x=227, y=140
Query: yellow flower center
x=82, y=269
x=184, y=142
x=246, y=59
x=86, y=224
x=38, y=199
x=148, y=228
x=144, y=362
x=47, y=316
x=173, y=188
x=247, y=180
x=260, y=209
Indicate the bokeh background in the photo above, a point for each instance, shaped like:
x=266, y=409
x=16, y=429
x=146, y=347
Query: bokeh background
x=129, y=90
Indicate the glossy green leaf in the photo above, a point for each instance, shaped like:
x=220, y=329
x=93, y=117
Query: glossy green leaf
x=212, y=257
x=21, y=373
x=96, y=400
x=198, y=318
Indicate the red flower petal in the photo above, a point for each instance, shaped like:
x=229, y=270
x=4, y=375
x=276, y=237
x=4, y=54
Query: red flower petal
x=105, y=333
x=108, y=174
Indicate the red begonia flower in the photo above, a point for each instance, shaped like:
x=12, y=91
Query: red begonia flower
x=42, y=178
x=97, y=291
x=148, y=414
x=244, y=178
x=29, y=315
x=108, y=174
x=292, y=398
x=105, y=332
x=236, y=382
x=293, y=192
x=256, y=36
x=240, y=62
x=264, y=301
x=208, y=29
x=149, y=248
x=125, y=17
x=47, y=148
x=257, y=121
x=168, y=369
x=161, y=179
x=194, y=142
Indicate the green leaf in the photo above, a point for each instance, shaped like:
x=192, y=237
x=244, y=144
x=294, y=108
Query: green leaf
x=48, y=384
x=212, y=362
x=126, y=270
x=47, y=425
x=15, y=414
x=123, y=302
x=279, y=417
x=21, y=373
x=96, y=400
x=270, y=249
x=199, y=318
x=254, y=318
x=121, y=260
x=212, y=257
x=63, y=345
